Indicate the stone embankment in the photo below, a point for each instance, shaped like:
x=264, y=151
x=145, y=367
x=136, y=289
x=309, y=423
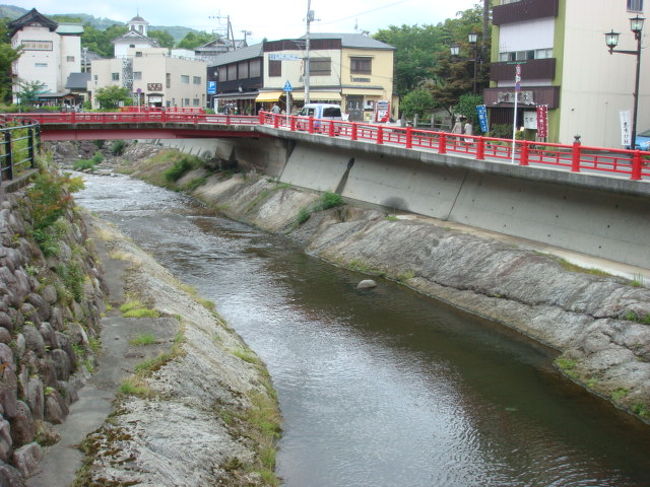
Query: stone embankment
x=600, y=324
x=51, y=297
x=189, y=403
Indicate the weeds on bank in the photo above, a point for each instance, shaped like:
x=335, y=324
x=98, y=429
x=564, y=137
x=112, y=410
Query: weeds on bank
x=143, y=340
x=576, y=268
x=135, y=309
x=567, y=366
x=326, y=201
x=632, y=316
x=184, y=164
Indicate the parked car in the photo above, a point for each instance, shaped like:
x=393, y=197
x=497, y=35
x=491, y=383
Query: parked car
x=643, y=140
x=320, y=111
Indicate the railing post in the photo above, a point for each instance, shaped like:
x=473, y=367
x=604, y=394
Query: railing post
x=30, y=146
x=72, y=117
x=228, y=119
x=409, y=137
x=8, y=156
x=276, y=121
x=380, y=135
x=38, y=139
x=480, y=148
x=331, y=129
x=353, y=135
x=442, y=143
x=261, y=118
x=311, y=125
x=523, y=161
x=636, y=166
x=292, y=123
x=575, y=155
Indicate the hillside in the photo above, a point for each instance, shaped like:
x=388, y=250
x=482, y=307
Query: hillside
x=12, y=12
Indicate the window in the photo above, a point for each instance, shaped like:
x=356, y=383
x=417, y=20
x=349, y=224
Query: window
x=196, y=102
x=526, y=55
x=275, y=68
x=232, y=72
x=223, y=73
x=95, y=77
x=320, y=66
x=185, y=79
x=131, y=45
x=40, y=65
x=36, y=45
x=196, y=80
x=635, y=5
x=115, y=76
x=243, y=70
x=137, y=75
x=138, y=53
x=254, y=69
x=187, y=102
x=168, y=80
x=69, y=59
x=361, y=65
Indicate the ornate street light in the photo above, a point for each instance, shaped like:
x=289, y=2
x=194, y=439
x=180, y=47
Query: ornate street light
x=455, y=49
x=473, y=40
x=611, y=40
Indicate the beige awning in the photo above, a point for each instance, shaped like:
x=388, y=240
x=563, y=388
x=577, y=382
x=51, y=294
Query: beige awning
x=268, y=96
x=317, y=95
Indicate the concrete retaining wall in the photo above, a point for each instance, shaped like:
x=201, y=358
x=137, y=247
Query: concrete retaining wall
x=602, y=217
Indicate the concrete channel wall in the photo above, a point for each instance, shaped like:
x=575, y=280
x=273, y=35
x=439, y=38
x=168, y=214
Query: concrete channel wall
x=591, y=214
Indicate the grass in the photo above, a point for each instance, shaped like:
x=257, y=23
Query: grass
x=585, y=270
x=405, y=276
x=246, y=355
x=73, y=278
x=195, y=183
x=143, y=340
x=184, y=164
x=84, y=165
x=632, y=316
x=326, y=201
x=567, y=366
x=135, y=386
x=391, y=218
x=151, y=365
x=135, y=309
x=619, y=394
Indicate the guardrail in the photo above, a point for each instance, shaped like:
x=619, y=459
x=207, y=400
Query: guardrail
x=633, y=164
x=19, y=145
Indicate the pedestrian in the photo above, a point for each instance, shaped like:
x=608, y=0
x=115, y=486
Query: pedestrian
x=467, y=130
x=275, y=108
x=458, y=126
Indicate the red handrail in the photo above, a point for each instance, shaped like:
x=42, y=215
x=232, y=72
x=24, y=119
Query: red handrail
x=634, y=164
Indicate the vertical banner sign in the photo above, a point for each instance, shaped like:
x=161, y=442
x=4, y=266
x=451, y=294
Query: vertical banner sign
x=625, y=128
x=481, y=112
x=212, y=87
x=542, y=121
x=514, y=119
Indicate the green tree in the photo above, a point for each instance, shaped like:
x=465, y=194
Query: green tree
x=111, y=96
x=418, y=102
x=164, y=38
x=29, y=91
x=467, y=106
x=99, y=41
x=7, y=56
x=195, y=39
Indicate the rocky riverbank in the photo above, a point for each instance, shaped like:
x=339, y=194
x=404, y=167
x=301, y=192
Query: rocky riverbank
x=600, y=324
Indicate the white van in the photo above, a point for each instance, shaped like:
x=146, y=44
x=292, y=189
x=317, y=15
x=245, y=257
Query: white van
x=321, y=110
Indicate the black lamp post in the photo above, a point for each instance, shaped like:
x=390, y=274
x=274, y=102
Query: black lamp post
x=611, y=39
x=455, y=51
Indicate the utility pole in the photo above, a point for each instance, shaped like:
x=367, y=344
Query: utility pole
x=309, y=20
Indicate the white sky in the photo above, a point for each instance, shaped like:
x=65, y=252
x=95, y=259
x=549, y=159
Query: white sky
x=264, y=18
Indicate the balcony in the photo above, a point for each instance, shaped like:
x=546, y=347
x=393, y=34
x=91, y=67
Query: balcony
x=531, y=69
x=524, y=10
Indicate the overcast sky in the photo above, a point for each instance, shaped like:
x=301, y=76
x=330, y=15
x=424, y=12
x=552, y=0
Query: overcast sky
x=264, y=18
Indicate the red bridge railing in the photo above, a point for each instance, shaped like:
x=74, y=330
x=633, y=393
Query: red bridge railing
x=633, y=164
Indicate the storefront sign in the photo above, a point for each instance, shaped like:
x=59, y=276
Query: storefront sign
x=154, y=86
x=542, y=121
x=212, y=87
x=481, y=112
x=625, y=128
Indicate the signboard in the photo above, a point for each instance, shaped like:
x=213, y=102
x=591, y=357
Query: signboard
x=518, y=77
x=481, y=112
x=542, y=121
x=154, y=86
x=625, y=128
x=530, y=119
x=382, y=111
x=287, y=86
x=274, y=56
x=212, y=87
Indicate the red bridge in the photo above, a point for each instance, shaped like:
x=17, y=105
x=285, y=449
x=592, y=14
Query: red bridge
x=630, y=164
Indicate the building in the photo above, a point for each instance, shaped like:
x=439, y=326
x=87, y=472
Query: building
x=348, y=69
x=51, y=52
x=560, y=46
x=135, y=37
x=154, y=77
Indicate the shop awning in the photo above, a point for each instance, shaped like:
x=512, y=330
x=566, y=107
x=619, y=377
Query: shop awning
x=237, y=96
x=268, y=96
x=317, y=95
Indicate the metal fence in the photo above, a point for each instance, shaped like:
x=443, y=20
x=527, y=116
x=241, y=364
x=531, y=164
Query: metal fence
x=19, y=144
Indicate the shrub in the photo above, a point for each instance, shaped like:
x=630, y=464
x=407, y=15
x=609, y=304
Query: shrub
x=179, y=168
x=83, y=164
x=73, y=278
x=98, y=157
x=117, y=147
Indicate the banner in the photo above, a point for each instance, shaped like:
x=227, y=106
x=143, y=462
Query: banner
x=481, y=111
x=542, y=121
x=625, y=128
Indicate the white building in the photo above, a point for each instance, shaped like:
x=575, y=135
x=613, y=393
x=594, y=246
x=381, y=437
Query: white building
x=135, y=37
x=565, y=64
x=50, y=53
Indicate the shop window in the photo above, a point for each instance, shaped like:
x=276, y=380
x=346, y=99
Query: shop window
x=320, y=66
x=275, y=68
x=361, y=65
x=635, y=5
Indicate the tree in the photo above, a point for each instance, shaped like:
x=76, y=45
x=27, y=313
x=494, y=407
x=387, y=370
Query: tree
x=111, y=96
x=29, y=92
x=418, y=102
x=467, y=106
x=163, y=37
x=195, y=39
x=7, y=56
x=99, y=41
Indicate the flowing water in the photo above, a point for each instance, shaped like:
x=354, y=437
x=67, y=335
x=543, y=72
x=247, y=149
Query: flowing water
x=382, y=387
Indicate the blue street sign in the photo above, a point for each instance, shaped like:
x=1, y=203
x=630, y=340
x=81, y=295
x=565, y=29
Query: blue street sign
x=287, y=86
x=481, y=111
x=212, y=87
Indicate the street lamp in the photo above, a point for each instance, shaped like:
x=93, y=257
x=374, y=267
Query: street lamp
x=473, y=40
x=455, y=49
x=611, y=40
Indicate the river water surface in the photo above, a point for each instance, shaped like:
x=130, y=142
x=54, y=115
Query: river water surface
x=382, y=387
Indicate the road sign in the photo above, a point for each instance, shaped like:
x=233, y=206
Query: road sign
x=212, y=87
x=283, y=57
x=287, y=86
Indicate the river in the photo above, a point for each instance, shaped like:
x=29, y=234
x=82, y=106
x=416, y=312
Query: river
x=382, y=387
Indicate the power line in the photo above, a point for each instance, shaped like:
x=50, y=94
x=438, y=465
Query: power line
x=366, y=11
